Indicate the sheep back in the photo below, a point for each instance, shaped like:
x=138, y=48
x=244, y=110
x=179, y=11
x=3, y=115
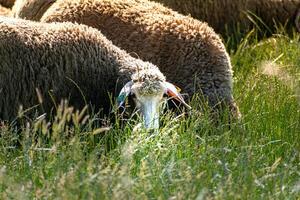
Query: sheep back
x=7, y=3
x=41, y=63
x=225, y=15
x=186, y=50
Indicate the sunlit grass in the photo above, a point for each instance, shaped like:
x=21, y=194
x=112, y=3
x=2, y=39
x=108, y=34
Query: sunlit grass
x=74, y=157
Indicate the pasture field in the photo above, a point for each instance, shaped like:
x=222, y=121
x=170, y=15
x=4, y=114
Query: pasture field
x=73, y=157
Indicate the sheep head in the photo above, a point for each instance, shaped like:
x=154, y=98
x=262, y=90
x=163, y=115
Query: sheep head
x=149, y=89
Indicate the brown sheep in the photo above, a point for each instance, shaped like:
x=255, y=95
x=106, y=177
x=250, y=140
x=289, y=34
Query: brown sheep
x=186, y=50
x=243, y=13
x=223, y=15
x=41, y=62
x=7, y=3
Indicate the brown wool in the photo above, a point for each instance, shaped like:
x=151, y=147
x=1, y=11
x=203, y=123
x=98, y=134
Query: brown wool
x=44, y=62
x=187, y=51
x=7, y=3
x=31, y=9
x=225, y=14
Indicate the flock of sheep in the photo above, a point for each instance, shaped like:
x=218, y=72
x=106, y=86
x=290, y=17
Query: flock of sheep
x=88, y=50
x=224, y=15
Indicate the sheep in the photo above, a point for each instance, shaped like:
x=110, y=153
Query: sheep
x=7, y=3
x=4, y=11
x=31, y=9
x=43, y=63
x=224, y=15
x=242, y=13
x=186, y=50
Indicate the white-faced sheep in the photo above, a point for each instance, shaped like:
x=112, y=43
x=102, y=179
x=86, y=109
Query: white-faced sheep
x=186, y=50
x=224, y=15
x=41, y=62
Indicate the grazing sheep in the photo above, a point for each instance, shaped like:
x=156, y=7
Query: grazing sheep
x=4, y=11
x=186, y=50
x=223, y=15
x=7, y=3
x=242, y=15
x=45, y=62
x=31, y=9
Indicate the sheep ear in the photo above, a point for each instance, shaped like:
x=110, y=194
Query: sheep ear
x=174, y=92
x=125, y=92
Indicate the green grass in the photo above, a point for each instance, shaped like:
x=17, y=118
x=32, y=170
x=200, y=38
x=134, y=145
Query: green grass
x=73, y=157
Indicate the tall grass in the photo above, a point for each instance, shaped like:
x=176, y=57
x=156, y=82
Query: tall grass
x=74, y=157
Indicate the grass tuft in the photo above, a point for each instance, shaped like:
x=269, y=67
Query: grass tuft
x=73, y=156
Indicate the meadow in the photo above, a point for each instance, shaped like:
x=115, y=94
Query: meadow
x=72, y=156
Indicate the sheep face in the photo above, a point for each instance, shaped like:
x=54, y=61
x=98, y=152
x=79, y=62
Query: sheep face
x=148, y=87
x=148, y=97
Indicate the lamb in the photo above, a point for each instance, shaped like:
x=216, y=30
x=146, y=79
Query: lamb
x=223, y=15
x=31, y=9
x=44, y=63
x=4, y=11
x=186, y=50
x=7, y=3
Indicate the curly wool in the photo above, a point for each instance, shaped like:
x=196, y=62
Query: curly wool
x=223, y=15
x=148, y=81
x=41, y=62
x=187, y=51
x=243, y=13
